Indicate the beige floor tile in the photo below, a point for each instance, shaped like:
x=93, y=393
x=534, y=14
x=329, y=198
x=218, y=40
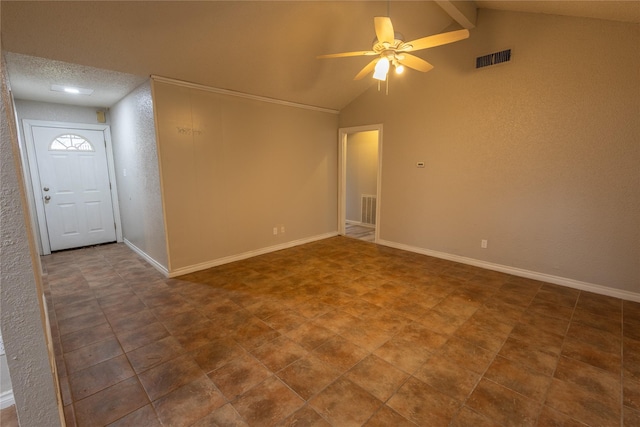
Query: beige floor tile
x=305, y=416
x=308, y=376
x=377, y=377
x=325, y=333
x=422, y=404
x=513, y=376
x=239, y=375
x=448, y=377
x=388, y=417
x=268, y=403
x=188, y=403
x=279, y=353
x=584, y=406
x=110, y=404
x=502, y=405
x=344, y=403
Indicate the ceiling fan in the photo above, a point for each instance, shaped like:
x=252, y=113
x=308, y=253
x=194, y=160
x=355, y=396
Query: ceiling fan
x=391, y=49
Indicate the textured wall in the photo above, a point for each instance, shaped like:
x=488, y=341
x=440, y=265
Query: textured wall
x=135, y=153
x=362, y=170
x=539, y=156
x=21, y=313
x=233, y=168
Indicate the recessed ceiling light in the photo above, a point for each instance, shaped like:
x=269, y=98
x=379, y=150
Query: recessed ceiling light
x=71, y=89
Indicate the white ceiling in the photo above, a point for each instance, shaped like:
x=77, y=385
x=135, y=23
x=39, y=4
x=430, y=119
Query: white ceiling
x=31, y=78
x=262, y=48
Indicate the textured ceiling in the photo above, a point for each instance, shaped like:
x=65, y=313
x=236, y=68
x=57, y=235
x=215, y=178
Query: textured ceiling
x=264, y=48
x=32, y=77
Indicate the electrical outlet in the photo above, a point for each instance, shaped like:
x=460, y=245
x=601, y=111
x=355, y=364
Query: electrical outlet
x=484, y=243
x=282, y=229
x=275, y=231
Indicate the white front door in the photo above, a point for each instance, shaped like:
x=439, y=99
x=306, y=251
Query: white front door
x=74, y=186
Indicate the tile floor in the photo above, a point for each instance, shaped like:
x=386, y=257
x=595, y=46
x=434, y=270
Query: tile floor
x=338, y=332
x=368, y=234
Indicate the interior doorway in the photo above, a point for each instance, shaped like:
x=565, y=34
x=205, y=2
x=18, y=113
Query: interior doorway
x=71, y=174
x=360, y=159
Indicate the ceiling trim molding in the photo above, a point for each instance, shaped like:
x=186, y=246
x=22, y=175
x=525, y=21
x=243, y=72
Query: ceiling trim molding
x=241, y=94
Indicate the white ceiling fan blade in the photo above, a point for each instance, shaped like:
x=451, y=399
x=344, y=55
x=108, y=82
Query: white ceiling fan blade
x=435, y=40
x=415, y=63
x=366, y=70
x=345, y=54
x=384, y=29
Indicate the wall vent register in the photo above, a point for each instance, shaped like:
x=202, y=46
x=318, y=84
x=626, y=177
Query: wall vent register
x=493, y=58
x=368, y=209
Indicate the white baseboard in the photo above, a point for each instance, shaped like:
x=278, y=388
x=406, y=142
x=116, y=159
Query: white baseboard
x=147, y=258
x=245, y=255
x=6, y=399
x=543, y=277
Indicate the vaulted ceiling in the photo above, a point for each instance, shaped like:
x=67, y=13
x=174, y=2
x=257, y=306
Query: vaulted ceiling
x=263, y=48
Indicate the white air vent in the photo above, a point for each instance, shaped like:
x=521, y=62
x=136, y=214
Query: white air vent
x=493, y=58
x=368, y=209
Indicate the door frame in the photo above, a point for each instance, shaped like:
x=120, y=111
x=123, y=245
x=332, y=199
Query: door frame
x=342, y=175
x=41, y=222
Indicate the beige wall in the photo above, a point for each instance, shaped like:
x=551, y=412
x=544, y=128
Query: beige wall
x=538, y=156
x=362, y=171
x=234, y=168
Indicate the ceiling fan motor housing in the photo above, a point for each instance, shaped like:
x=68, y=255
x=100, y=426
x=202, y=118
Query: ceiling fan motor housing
x=379, y=46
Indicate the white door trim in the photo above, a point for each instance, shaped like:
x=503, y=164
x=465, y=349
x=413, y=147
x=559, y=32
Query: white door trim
x=41, y=225
x=342, y=175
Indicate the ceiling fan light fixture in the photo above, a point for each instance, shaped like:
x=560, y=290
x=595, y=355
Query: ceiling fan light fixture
x=393, y=50
x=381, y=70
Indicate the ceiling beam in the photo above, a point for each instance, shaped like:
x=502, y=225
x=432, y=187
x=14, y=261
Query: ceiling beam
x=463, y=12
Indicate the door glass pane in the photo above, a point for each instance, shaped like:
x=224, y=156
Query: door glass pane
x=70, y=142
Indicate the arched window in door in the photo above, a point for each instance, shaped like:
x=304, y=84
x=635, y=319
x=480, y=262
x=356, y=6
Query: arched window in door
x=70, y=142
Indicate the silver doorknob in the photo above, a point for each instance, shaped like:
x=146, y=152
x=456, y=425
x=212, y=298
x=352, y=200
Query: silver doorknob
x=46, y=188
x=47, y=198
